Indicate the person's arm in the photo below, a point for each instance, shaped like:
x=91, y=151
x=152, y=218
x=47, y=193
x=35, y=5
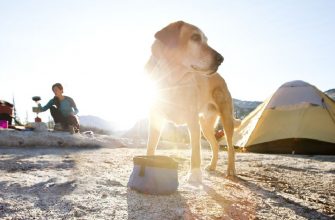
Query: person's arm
x=74, y=106
x=75, y=110
x=47, y=106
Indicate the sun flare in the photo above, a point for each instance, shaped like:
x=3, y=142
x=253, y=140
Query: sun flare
x=134, y=100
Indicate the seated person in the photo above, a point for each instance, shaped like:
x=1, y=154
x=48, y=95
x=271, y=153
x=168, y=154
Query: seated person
x=63, y=110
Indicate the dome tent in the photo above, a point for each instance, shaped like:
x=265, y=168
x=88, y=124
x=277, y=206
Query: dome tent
x=297, y=118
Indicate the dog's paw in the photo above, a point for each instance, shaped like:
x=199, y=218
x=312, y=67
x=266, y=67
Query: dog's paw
x=231, y=173
x=194, y=176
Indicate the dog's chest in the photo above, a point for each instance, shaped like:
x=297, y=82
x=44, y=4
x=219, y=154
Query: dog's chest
x=178, y=104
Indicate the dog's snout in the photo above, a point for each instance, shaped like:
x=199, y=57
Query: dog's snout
x=219, y=58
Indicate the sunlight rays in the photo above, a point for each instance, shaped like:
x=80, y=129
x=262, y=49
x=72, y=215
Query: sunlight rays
x=134, y=95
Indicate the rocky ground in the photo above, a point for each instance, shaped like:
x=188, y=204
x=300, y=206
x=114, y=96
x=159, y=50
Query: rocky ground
x=91, y=183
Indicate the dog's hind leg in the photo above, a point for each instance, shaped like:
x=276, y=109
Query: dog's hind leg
x=155, y=127
x=207, y=123
x=228, y=125
x=224, y=101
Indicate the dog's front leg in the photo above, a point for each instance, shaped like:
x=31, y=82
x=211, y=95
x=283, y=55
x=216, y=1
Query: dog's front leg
x=155, y=126
x=195, y=175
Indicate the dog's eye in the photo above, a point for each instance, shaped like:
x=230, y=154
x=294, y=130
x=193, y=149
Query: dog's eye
x=196, y=37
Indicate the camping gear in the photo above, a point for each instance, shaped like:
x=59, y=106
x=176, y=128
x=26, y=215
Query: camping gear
x=154, y=175
x=298, y=118
x=6, y=111
x=3, y=124
x=219, y=134
x=37, y=109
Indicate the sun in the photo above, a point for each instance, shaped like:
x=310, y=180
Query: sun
x=123, y=92
x=133, y=95
x=144, y=90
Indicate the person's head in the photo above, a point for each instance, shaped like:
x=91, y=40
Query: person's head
x=57, y=88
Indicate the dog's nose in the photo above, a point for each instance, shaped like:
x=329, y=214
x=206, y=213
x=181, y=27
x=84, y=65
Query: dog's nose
x=219, y=58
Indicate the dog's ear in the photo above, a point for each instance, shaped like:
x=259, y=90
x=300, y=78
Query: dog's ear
x=170, y=34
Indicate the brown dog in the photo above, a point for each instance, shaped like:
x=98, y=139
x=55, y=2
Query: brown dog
x=190, y=92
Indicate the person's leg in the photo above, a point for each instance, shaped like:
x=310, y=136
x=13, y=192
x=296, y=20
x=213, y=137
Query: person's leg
x=73, y=121
x=60, y=121
x=56, y=114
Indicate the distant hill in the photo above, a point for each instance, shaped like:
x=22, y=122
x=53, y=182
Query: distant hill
x=331, y=93
x=170, y=131
x=243, y=108
x=140, y=129
x=180, y=134
x=91, y=121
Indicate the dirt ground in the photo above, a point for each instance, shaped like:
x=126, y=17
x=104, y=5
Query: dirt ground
x=91, y=183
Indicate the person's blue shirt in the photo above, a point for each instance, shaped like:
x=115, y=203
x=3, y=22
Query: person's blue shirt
x=66, y=106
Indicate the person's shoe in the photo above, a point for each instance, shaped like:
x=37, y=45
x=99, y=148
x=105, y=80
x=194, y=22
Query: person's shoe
x=58, y=127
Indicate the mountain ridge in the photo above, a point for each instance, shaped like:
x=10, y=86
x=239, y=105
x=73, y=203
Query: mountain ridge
x=241, y=107
x=330, y=93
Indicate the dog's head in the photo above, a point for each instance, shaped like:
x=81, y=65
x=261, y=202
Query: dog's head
x=185, y=45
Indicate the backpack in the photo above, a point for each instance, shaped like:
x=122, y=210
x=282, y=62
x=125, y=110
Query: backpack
x=6, y=111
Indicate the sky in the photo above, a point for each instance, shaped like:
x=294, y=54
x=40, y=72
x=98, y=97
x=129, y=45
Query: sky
x=98, y=49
